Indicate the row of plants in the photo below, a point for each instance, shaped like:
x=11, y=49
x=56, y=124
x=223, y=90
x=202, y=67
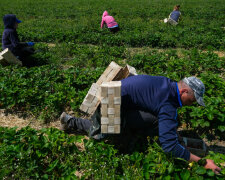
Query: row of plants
x=51, y=154
x=79, y=54
x=202, y=23
x=46, y=91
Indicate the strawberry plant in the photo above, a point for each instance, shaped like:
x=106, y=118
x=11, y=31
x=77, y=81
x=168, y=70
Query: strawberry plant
x=51, y=154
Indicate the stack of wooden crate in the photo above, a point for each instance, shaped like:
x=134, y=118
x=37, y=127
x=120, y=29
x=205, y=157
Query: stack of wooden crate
x=113, y=73
x=92, y=99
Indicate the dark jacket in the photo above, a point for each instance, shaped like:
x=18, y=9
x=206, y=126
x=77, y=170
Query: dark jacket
x=10, y=37
x=159, y=96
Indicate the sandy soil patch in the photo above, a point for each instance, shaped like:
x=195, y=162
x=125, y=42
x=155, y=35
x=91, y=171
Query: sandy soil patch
x=14, y=120
x=180, y=51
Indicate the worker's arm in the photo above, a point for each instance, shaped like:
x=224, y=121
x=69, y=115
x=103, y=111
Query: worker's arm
x=169, y=139
x=103, y=22
x=179, y=19
x=210, y=163
x=167, y=132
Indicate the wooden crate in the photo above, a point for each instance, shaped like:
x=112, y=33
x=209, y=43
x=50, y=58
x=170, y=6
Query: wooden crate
x=110, y=73
x=126, y=72
x=110, y=107
x=8, y=58
x=91, y=100
x=113, y=72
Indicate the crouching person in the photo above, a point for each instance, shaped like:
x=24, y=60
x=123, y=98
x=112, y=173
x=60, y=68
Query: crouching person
x=149, y=104
x=174, y=16
x=10, y=40
x=110, y=22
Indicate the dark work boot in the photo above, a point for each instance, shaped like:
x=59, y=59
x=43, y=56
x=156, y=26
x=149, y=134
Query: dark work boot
x=64, y=119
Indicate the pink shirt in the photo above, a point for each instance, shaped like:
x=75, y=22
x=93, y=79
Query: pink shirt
x=108, y=20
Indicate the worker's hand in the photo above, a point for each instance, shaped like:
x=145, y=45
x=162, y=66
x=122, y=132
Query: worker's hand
x=211, y=165
x=30, y=43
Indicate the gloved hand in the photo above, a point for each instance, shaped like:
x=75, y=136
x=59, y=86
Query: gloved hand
x=30, y=43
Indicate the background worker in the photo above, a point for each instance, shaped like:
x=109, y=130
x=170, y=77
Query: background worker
x=149, y=103
x=174, y=16
x=10, y=40
x=110, y=22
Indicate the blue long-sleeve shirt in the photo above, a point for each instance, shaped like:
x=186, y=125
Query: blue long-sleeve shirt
x=159, y=96
x=175, y=15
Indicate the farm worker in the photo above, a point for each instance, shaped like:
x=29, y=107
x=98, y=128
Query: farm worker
x=11, y=40
x=174, y=16
x=110, y=22
x=149, y=104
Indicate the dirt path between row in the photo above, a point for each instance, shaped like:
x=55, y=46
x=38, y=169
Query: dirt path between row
x=145, y=49
x=180, y=51
x=11, y=120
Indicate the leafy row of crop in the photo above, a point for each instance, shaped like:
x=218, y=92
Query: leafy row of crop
x=46, y=91
x=51, y=154
x=75, y=21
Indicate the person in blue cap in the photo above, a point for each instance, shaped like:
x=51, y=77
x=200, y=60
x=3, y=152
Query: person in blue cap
x=149, y=104
x=11, y=40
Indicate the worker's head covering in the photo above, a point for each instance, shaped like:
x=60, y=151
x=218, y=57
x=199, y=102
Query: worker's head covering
x=105, y=13
x=18, y=21
x=10, y=20
x=197, y=86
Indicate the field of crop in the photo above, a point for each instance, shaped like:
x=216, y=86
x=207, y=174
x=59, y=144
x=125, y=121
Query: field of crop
x=72, y=52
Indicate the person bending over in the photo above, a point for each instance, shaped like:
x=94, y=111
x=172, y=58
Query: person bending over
x=149, y=104
x=110, y=22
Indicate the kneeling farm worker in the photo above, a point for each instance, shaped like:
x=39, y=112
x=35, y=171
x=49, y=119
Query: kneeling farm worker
x=10, y=39
x=149, y=104
x=174, y=16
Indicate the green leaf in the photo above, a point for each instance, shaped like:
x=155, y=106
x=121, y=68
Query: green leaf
x=210, y=172
x=147, y=175
x=52, y=165
x=201, y=170
x=170, y=168
x=45, y=176
x=185, y=174
x=210, y=116
x=176, y=177
x=167, y=177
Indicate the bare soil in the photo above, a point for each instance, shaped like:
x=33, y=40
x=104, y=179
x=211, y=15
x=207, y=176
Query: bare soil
x=14, y=120
x=180, y=51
